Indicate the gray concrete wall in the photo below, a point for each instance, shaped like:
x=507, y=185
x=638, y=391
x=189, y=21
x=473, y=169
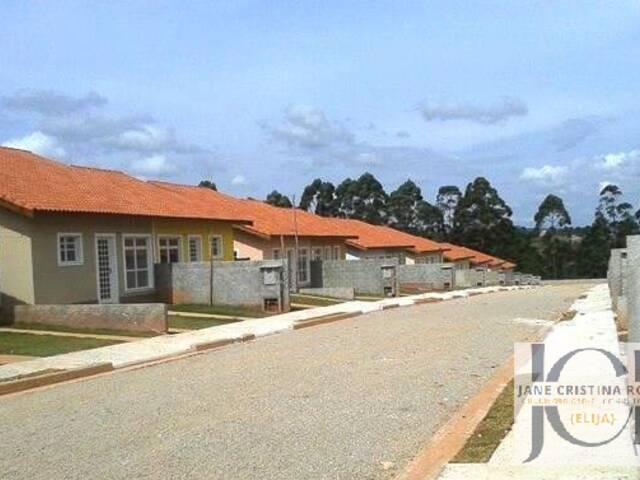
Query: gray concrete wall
x=227, y=283
x=491, y=278
x=148, y=317
x=632, y=286
x=470, y=278
x=616, y=278
x=364, y=276
x=436, y=276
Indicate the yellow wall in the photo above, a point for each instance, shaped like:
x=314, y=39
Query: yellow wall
x=186, y=227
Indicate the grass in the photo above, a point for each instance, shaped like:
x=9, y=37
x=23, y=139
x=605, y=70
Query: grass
x=46, y=345
x=227, y=310
x=88, y=331
x=490, y=432
x=314, y=301
x=194, y=323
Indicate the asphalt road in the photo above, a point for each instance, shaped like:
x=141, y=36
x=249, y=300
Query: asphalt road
x=354, y=399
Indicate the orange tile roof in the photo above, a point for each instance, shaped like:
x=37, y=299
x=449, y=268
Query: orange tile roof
x=30, y=183
x=457, y=253
x=275, y=221
x=266, y=219
x=376, y=236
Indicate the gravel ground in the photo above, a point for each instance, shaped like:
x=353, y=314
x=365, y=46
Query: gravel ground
x=352, y=399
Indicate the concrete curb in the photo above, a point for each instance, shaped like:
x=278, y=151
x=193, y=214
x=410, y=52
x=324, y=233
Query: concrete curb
x=22, y=384
x=166, y=348
x=325, y=319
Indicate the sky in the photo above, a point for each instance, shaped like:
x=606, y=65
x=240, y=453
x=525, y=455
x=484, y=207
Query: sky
x=537, y=96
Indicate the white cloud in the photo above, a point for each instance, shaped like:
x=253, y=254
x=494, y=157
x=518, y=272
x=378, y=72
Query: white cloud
x=38, y=142
x=611, y=161
x=308, y=128
x=238, y=180
x=498, y=112
x=154, y=165
x=367, y=159
x=545, y=174
x=603, y=184
x=48, y=102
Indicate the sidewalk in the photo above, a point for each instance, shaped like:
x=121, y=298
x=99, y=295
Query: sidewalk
x=166, y=346
x=593, y=325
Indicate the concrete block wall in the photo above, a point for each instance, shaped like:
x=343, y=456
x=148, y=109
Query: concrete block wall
x=470, y=278
x=222, y=283
x=364, y=276
x=505, y=278
x=491, y=278
x=432, y=276
x=616, y=274
x=632, y=287
x=132, y=317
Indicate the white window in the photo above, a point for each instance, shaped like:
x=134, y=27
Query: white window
x=137, y=262
x=70, y=249
x=169, y=249
x=195, y=248
x=215, y=245
x=276, y=254
x=336, y=253
x=327, y=253
x=303, y=265
x=317, y=254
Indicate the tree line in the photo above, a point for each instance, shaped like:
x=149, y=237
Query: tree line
x=479, y=218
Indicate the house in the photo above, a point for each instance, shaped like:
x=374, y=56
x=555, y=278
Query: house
x=376, y=241
x=291, y=233
x=71, y=234
x=466, y=258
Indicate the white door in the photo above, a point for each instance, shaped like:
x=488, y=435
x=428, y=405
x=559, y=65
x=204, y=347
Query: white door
x=107, y=268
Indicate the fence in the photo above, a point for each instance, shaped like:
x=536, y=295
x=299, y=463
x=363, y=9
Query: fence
x=253, y=284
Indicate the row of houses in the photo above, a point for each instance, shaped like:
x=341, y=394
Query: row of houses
x=72, y=234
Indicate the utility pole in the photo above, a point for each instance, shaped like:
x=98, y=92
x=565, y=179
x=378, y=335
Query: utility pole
x=297, y=249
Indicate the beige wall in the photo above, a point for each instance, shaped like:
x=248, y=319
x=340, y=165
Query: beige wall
x=257, y=248
x=78, y=283
x=16, y=266
x=424, y=258
x=399, y=253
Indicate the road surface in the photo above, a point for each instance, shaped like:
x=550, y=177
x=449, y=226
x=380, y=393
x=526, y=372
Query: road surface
x=355, y=399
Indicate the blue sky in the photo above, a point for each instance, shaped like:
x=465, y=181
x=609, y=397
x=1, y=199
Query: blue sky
x=539, y=96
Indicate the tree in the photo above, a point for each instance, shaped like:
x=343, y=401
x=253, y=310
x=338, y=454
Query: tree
x=402, y=207
x=447, y=201
x=429, y=221
x=593, y=254
x=363, y=199
x=551, y=214
x=482, y=220
x=320, y=198
x=208, y=184
x=618, y=217
x=277, y=199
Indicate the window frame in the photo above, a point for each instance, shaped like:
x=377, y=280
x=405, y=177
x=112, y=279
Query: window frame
x=169, y=237
x=307, y=265
x=150, y=263
x=198, y=239
x=221, y=255
x=276, y=254
x=79, y=250
x=337, y=251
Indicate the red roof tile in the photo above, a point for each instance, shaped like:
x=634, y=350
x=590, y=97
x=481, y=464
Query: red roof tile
x=457, y=253
x=266, y=219
x=30, y=183
x=376, y=236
